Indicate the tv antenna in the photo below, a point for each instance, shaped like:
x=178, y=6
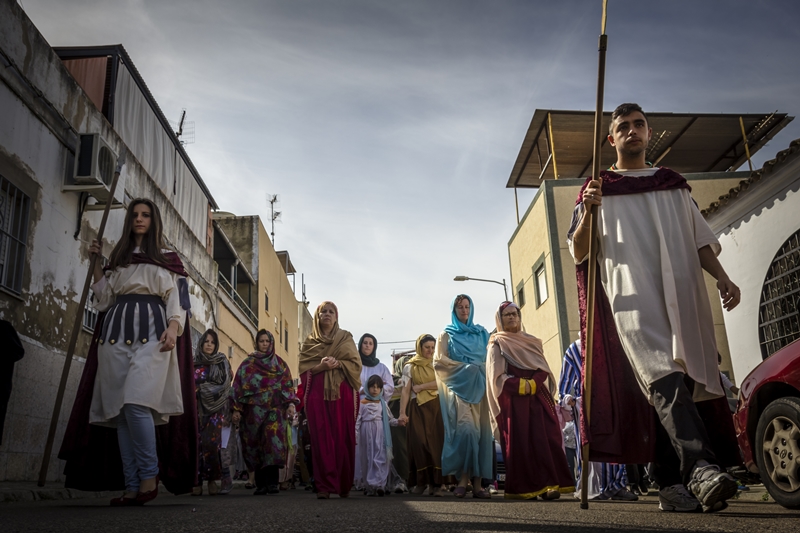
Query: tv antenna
x=274, y=215
x=184, y=129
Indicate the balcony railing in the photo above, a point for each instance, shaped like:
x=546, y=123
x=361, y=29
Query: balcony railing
x=226, y=286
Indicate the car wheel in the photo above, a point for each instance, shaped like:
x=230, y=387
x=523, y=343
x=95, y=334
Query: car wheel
x=778, y=450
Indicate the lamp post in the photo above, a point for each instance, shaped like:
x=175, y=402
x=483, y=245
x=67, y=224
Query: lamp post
x=465, y=278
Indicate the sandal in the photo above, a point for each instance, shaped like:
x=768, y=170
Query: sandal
x=460, y=492
x=249, y=486
x=323, y=495
x=482, y=495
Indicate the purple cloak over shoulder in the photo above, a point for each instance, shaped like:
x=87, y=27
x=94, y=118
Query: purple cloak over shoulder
x=92, y=452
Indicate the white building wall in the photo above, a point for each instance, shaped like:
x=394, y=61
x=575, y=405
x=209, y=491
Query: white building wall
x=751, y=235
x=39, y=101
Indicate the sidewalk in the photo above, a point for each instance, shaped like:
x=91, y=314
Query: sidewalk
x=29, y=491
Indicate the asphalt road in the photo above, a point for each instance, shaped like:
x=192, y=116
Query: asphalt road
x=301, y=511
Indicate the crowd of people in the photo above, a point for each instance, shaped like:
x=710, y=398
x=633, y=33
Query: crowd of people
x=151, y=407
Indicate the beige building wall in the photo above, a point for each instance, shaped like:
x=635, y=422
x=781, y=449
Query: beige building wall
x=541, y=236
x=529, y=247
x=280, y=317
x=274, y=301
x=235, y=334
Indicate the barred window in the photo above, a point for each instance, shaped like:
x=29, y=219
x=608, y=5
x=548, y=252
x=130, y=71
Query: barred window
x=779, y=310
x=14, y=212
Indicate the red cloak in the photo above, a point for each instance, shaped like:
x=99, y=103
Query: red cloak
x=92, y=452
x=623, y=423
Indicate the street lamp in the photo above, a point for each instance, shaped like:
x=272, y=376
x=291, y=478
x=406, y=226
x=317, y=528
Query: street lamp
x=503, y=283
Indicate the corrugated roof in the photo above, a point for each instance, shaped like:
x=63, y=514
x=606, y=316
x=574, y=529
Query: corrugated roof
x=685, y=142
x=757, y=176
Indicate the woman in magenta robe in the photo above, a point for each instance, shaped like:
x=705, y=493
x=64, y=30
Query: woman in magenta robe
x=330, y=368
x=523, y=412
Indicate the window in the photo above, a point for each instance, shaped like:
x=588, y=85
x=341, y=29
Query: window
x=14, y=211
x=521, y=294
x=266, y=300
x=541, y=286
x=779, y=310
x=286, y=336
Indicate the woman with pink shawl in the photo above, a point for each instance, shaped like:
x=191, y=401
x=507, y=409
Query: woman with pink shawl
x=523, y=413
x=330, y=369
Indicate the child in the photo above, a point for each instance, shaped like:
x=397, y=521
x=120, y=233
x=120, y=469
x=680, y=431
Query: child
x=287, y=472
x=373, y=440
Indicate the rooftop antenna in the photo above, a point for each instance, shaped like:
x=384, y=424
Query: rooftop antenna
x=274, y=215
x=184, y=129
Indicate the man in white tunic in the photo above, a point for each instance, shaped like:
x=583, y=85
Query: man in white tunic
x=653, y=245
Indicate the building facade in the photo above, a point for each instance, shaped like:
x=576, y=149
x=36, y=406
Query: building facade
x=758, y=224
x=49, y=99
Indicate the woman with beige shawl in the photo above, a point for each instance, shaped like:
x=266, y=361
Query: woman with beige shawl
x=520, y=388
x=330, y=369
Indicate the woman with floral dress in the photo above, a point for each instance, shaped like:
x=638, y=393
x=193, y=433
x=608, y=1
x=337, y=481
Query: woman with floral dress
x=262, y=392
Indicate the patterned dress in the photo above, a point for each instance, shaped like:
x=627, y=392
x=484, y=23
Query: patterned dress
x=262, y=390
x=209, y=433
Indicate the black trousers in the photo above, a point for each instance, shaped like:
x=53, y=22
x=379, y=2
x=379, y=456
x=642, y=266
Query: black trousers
x=267, y=476
x=681, y=438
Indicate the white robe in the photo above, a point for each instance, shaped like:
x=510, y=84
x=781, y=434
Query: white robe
x=372, y=463
x=651, y=273
x=381, y=370
x=138, y=373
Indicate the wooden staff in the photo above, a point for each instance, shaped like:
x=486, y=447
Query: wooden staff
x=76, y=327
x=591, y=282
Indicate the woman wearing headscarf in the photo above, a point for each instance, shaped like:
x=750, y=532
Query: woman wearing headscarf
x=524, y=413
x=460, y=365
x=371, y=366
x=330, y=369
x=212, y=378
x=420, y=399
x=262, y=392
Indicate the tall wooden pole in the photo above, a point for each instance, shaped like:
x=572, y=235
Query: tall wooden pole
x=592, y=275
x=76, y=327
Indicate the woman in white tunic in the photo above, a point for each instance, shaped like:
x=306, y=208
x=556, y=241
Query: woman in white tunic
x=138, y=385
x=371, y=366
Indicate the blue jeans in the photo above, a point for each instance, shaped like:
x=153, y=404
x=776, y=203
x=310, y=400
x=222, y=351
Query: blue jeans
x=136, y=433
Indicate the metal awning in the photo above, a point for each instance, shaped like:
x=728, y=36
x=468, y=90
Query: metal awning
x=558, y=144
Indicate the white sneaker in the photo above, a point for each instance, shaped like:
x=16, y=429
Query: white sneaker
x=712, y=487
x=677, y=499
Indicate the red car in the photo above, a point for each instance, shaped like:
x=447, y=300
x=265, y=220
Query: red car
x=767, y=422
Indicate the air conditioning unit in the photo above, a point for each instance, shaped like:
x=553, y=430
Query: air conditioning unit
x=93, y=168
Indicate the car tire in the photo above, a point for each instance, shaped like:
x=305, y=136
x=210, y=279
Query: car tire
x=777, y=450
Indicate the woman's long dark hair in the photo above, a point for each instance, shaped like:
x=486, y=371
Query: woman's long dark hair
x=152, y=243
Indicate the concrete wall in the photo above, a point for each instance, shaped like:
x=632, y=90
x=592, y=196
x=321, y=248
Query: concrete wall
x=235, y=331
x=42, y=108
x=751, y=231
x=251, y=241
x=529, y=244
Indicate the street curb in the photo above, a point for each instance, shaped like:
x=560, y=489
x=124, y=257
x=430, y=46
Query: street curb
x=29, y=492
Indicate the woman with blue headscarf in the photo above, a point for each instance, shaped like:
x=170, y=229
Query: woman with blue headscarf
x=460, y=365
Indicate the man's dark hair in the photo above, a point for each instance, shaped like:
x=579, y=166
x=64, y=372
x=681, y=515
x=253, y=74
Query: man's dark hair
x=623, y=110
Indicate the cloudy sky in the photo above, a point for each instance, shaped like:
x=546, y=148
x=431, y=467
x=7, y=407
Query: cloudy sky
x=389, y=128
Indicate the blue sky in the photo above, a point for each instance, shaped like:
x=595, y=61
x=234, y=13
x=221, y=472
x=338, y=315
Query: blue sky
x=389, y=128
